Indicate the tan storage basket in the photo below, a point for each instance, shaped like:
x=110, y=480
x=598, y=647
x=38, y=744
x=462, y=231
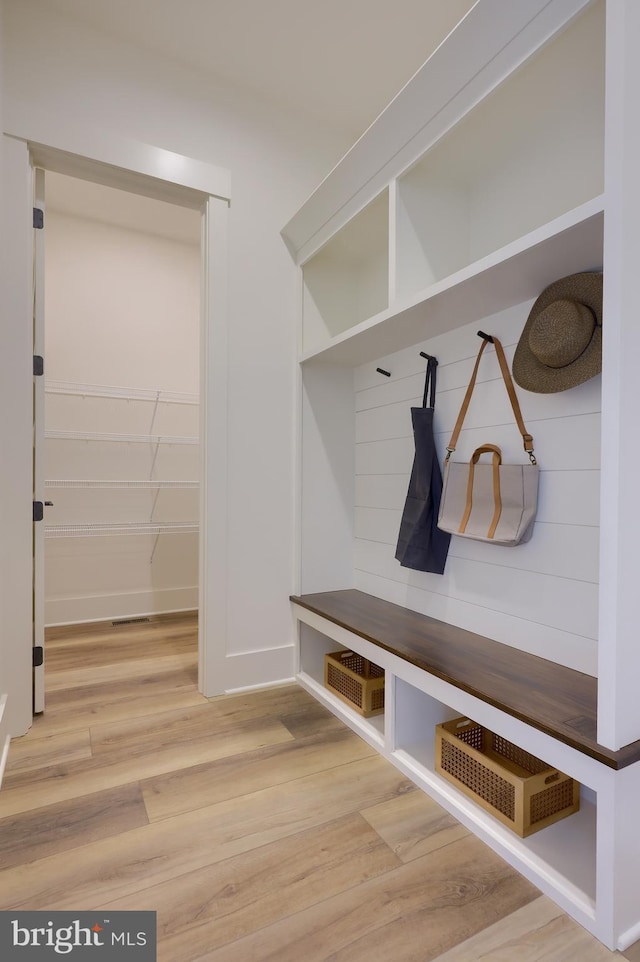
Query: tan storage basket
x=356, y=681
x=514, y=786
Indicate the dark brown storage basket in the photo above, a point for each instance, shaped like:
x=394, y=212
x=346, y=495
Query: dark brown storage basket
x=514, y=786
x=356, y=680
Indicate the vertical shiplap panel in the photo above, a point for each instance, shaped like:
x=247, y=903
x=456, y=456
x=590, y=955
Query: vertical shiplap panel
x=541, y=596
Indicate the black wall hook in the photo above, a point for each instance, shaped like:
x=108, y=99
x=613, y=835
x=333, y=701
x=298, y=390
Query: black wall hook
x=487, y=337
x=380, y=371
x=429, y=357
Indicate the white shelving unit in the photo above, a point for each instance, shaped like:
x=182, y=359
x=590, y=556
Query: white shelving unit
x=480, y=184
x=509, y=275
x=124, y=468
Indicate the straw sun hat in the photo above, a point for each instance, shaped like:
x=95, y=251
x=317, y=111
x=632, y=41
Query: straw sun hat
x=561, y=343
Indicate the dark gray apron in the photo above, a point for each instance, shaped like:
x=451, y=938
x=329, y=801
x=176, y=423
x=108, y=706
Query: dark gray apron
x=421, y=543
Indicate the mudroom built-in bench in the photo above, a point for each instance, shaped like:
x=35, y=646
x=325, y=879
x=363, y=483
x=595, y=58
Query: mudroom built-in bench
x=549, y=697
x=435, y=672
x=448, y=216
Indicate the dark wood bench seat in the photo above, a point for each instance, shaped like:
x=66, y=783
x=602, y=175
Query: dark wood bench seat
x=554, y=699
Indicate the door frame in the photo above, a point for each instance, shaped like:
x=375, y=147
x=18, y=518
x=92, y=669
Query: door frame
x=30, y=142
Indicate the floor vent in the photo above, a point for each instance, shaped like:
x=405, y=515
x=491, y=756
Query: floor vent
x=130, y=621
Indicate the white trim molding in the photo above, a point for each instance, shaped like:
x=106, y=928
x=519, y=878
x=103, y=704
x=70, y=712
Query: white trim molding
x=32, y=140
x=103, y=156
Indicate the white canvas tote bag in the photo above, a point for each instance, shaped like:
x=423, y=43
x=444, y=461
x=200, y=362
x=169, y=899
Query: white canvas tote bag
x=490, y=501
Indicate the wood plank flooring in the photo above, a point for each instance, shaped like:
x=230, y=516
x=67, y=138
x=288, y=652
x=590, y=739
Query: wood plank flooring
x=257, y=826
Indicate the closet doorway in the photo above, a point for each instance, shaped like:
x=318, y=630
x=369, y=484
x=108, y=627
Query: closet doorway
x=121, y=401
x=117, y=439
x=33, y=142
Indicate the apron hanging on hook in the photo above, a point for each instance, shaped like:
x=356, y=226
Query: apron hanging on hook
x=421, y=544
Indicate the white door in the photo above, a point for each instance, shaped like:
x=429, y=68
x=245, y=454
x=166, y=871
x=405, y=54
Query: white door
x=38, y=445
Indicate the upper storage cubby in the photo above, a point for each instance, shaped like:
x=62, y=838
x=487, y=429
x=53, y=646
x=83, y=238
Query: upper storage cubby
x=531, y=151
x=480, y=184
x=347, y=281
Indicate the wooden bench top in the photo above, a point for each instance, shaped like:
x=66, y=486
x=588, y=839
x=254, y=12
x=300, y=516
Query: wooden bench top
x=554, y=699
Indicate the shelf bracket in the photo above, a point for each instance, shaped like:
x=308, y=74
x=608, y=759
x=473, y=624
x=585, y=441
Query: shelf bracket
x=155, y=501
x=155, y=411
x=155, y=457
x=155, y=545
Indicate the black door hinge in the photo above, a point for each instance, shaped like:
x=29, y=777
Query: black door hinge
x=38, y=656
x=38, y=365
x=38, y=218
x=38, y=510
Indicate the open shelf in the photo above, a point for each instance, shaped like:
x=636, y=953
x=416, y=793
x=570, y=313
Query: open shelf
x=563, y=853
x=313, y=647
x=347, y=281
x=493, y=178
x=511, y=275
x=567, y=849
x=485, y=218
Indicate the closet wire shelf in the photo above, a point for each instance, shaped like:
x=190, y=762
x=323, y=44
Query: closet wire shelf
x=144, y=485
x=122, y=393
x=110, y=530
x=126, y=438
x=117, y=529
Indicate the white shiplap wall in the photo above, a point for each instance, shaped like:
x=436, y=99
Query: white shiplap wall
x=542, y=596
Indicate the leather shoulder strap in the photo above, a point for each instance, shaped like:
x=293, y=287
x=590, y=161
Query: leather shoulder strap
x=527, y=439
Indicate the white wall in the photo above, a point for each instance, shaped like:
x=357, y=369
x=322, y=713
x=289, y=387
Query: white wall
x=541, y=596
x=276, y=158
x=122, y=308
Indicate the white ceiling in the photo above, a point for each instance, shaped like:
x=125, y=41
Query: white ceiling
x=341, y=61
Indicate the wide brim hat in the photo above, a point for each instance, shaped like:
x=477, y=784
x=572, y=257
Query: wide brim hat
x=561, y=342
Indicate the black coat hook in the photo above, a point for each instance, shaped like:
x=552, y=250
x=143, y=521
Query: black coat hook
x=487, y=337
x=380, y=371
x=429, y=357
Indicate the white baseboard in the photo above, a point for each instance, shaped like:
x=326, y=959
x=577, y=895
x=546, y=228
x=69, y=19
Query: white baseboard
x=259, y=669
x=112, y=607
x=628, y=938
x=154, y=615
x=280, y=683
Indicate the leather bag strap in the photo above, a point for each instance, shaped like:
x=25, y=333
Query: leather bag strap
x=527, y=438
x=497, y=498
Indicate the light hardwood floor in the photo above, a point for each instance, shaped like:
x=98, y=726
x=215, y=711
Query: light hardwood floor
x=257, y=826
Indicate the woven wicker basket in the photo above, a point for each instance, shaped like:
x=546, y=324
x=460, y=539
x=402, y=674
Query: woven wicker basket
x=514, y=786
x=356, y=681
